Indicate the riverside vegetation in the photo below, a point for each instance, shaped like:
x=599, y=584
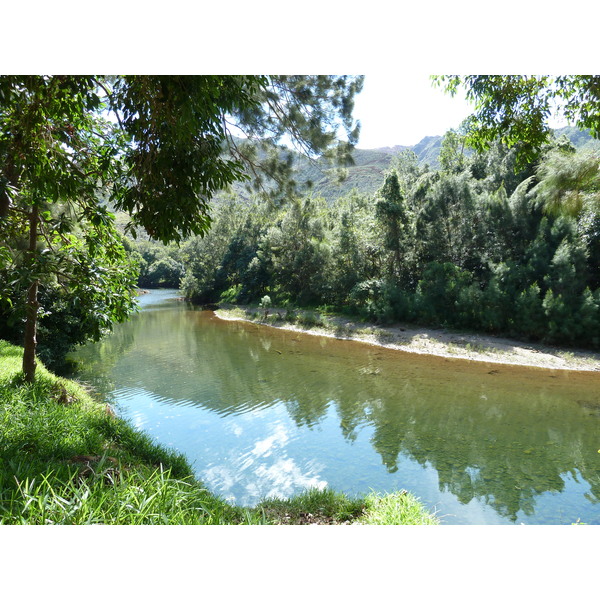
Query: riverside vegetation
x=499, y=241
x=65, y=459
x=478, y=245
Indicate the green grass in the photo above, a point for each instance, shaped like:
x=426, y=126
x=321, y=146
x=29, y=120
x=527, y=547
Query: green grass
x=65, y=459
x=394, y=508
x=333, y=508
x=313, y=506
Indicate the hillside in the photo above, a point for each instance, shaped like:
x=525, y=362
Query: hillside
x=366, y=175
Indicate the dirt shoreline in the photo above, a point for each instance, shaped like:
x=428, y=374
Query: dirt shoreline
x=421, y=340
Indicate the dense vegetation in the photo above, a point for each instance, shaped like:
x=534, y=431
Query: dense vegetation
x=505, y=240
x=475, y=245
x=167, y=151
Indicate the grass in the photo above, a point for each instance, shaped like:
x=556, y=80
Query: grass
x=313, y=506
x=65, y=459
x=397, y=507
x=332, y=508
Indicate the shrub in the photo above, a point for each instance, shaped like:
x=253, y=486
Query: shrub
x=439, y=292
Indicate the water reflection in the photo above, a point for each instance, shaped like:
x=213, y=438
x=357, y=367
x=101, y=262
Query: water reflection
x=521, y=441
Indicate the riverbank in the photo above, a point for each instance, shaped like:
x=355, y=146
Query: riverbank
x=65, y=458
x=420, y=340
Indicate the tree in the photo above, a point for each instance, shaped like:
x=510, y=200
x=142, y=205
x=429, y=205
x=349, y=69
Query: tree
x=171, y=149
x=569, y=182
x=391, y=213
x=297, y=248
x=515, y=108
x=452, y=153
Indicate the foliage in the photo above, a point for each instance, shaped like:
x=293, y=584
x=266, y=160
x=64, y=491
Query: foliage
x=328, y=507
x=84, y=277
x=399, y=507
x=265, y=302
x=159, y=265
x=179, y=127
x=169, y=151
x=477, y=247
x=313, y=506
x=569, y=181
x=515, y=108
x=390, y=211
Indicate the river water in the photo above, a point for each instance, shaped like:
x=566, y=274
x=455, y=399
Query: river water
x=261, y=411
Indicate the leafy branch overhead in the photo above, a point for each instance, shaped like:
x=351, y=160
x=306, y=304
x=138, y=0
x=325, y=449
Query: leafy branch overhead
x=515, y=109
x=190, y=137
x=178, y=139
x=157, y=147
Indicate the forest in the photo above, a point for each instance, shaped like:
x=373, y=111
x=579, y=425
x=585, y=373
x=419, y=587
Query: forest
x=492, y=228
x=477, y=244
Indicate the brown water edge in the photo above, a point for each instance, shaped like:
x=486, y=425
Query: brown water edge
x=493, y=378
x=421, y=340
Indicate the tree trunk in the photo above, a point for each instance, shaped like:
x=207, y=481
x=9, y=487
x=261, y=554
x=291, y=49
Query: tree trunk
x=30, y=340
x=4, y=204
x=8, y=173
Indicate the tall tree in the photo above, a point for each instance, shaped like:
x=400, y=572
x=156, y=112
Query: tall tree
x=172, y=148
x=516, y=108
x=391, y=213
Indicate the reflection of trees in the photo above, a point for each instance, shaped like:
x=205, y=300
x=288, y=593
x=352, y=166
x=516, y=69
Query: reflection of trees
x=95, y=362
x=500, y=439
x=496, y=449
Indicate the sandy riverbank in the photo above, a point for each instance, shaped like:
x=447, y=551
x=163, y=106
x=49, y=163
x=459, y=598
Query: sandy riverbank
x=422, y=340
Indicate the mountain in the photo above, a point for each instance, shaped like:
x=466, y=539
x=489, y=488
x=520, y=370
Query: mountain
x=581, y=139
x=367, y=173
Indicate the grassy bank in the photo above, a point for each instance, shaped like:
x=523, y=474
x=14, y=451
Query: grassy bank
x=66, y=459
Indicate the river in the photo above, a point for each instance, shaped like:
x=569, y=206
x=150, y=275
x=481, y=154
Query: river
x=261, y=411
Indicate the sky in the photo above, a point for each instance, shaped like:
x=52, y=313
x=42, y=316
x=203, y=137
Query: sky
x=403, y=110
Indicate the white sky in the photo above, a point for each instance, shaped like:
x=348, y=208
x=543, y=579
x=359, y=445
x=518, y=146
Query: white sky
x=402, y=110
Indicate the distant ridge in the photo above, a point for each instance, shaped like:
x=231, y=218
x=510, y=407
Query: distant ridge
x=366, y=176
x=367, y=173
x=391, y=149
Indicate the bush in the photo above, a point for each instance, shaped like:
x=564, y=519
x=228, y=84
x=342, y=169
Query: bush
x=231, y=294
x=265, y=302
x=438, y=295
x=529, y=317
x=560, y=319
x=380, y=300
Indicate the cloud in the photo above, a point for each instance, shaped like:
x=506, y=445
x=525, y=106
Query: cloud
x=284, y=478
x=264, y=448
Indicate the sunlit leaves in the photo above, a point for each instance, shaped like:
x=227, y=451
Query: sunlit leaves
x=569, y=182
x=167, y=149
x=515, y=109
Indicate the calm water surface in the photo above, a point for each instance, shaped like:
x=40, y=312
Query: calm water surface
x=267, y=412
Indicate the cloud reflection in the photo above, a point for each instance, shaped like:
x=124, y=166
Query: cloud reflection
x=279, y=439
x=265, y=471
x=284, y=478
